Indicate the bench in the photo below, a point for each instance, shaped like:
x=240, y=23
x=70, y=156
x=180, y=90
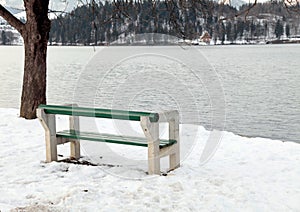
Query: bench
x=149, y=121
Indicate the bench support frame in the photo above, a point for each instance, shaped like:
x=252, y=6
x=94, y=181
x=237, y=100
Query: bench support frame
x=48, y=123
x=74, y=143
x=150, y=129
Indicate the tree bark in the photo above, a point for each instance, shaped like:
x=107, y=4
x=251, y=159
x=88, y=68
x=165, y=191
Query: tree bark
x=35, y=33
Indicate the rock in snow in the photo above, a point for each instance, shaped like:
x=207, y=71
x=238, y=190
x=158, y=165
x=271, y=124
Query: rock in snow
x=248, y=174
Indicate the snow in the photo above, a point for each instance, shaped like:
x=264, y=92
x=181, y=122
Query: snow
x=21, y=15
x=249, y=174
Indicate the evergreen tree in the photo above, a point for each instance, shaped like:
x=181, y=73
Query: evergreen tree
x=287, y=30
x=240, y=28
x=228, y=31
x=3, y=37
x=222, y=33
x=252, y=29
x=278, y=29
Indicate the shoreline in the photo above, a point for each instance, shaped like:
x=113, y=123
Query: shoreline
x=285, y=41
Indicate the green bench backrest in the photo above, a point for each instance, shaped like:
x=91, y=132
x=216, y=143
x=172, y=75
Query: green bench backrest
x=98, y=112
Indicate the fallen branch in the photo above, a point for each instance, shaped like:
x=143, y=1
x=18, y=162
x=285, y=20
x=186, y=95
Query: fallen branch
x=86, y=163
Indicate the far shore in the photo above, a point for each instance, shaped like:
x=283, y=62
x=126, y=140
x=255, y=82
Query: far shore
x=187, y=43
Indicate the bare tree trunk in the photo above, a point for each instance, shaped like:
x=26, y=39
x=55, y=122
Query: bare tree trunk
x=34, y=79
x=35, y=33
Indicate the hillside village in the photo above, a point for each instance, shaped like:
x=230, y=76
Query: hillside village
x=265, y=23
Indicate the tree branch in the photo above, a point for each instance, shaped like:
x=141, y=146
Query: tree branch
x=247, y=10
x=12, y=20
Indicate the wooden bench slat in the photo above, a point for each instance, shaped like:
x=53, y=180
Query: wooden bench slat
x=110, y=138
x=98, y=112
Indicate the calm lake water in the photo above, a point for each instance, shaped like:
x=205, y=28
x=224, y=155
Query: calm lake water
x=256, y=88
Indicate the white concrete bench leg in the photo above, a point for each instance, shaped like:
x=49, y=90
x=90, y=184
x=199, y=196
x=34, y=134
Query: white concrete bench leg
x=151, y=131
x=48, y=123
x=174, y=159
x=74, y=143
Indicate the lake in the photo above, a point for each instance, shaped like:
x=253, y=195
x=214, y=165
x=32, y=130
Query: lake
x=248, y=90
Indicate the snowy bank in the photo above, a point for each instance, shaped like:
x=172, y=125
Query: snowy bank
x=249, y=174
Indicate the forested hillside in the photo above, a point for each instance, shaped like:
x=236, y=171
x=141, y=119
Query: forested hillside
x=119, y=21
x=111, y=21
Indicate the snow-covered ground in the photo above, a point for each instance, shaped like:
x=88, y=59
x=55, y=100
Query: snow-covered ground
x=245, y=174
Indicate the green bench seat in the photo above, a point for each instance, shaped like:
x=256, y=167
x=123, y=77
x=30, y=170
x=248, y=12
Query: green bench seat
x=111, y=138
